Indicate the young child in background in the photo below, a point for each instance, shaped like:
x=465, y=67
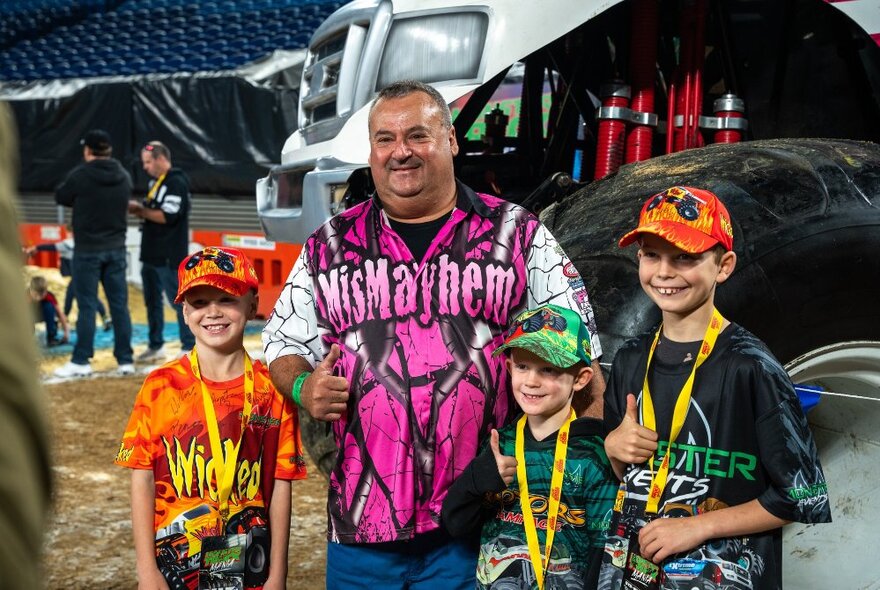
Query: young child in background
x=65, y=254
x=550, y=456
x=705, y=428
x=212, y=446
x=48, y=311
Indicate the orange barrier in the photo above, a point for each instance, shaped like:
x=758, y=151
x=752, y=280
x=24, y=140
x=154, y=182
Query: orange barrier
x=32, y=234
x=272, y=261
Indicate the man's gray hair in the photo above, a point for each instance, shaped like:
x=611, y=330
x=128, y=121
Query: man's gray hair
x=403, y=88
x=157, y=148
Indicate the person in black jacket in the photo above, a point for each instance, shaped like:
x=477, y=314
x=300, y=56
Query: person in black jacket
x=164, y=244
x=98, y=190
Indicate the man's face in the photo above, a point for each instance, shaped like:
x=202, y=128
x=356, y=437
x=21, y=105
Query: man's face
x=152, y=166
x=411, y=150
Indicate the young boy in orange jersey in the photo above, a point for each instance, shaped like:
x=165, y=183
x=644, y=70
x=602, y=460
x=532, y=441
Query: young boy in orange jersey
x=706, y=431
x=197, y=521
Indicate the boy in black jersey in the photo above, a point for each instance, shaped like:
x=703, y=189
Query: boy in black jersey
x=702, y=422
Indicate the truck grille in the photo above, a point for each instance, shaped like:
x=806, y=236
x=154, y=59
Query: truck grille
x=339, y=49
x=320, y=82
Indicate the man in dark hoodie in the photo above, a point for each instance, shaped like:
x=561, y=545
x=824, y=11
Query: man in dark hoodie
x=98, y=190
x=164, y=244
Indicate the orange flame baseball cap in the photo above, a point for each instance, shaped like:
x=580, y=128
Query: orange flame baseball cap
x=692, y=219
x=227, y=269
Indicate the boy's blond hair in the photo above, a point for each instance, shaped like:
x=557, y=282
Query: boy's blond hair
x=39, y=286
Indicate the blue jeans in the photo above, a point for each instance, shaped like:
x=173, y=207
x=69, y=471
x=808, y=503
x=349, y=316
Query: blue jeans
x=108, y=268
x=159, y=279
x=47, y=314
x=70, y=297
x=429, y=562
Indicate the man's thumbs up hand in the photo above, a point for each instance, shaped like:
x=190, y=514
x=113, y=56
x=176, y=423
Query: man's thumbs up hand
x=324, y=395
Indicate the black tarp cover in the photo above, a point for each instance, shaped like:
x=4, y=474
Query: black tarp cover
x=225, y=132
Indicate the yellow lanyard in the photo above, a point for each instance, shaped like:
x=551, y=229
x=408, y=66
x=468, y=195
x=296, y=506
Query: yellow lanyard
x=658, y=479
x=224, y=467
x=538, y=563
x=151, y=194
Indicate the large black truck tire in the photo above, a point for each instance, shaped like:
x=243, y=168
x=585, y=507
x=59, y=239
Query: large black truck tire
x=806, y=216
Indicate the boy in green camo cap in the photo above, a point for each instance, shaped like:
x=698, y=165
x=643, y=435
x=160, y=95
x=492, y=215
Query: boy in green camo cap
x=548, y=455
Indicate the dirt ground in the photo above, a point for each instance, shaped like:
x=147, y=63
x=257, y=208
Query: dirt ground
x=88, y=542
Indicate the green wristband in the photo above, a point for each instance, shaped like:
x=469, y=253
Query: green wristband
x=296, y=391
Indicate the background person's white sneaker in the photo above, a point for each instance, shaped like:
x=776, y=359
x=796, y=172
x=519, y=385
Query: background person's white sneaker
x=125, y=369
x=72, y=369
x=151, y=354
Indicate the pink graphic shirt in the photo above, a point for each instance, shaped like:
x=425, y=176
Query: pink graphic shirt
x=416, y=340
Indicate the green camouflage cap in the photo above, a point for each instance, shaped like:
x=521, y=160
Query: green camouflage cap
x=555, y=334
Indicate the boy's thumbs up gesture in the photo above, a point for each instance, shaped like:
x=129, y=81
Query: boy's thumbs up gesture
x=506, y=464
x=630, y=442
x=325, y=395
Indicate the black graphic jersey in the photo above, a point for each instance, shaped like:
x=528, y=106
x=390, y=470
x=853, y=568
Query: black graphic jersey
x=744, y=437
x=588, y=488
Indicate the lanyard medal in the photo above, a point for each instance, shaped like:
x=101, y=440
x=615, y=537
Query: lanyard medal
x=641, y=573
x=224, y=466
x=223, y=557
x=539, y=562
x=658, y=478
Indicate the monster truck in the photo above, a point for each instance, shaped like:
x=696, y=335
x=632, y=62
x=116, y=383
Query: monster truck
x=581, y=109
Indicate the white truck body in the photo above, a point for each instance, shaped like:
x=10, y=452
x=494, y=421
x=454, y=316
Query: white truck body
x=322, y=153
x=367, y=43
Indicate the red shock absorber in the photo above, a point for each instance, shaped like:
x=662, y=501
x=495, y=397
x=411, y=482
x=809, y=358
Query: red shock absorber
x=671, y=102
x=643, y=52
x=699, y=57
x=612, y=127
x=689, y=87
x=726, y=108
x=684, y=82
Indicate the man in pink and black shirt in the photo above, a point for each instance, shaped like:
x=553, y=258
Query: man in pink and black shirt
x=386, y=327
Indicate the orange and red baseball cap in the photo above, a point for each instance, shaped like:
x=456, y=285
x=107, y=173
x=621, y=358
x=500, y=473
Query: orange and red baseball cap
x=692, y=219
x=227, y=269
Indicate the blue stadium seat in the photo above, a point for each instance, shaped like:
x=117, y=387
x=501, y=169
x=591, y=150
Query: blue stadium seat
x=9, y=71
x=299, y=40
x=175, y=62
x=176, y=11
x=115, y=65
x=213, y=32
x=238, y=44
x=214, y=18
x=155, y=62
x=198, y=46
x=97, y=34
x=290, y=12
